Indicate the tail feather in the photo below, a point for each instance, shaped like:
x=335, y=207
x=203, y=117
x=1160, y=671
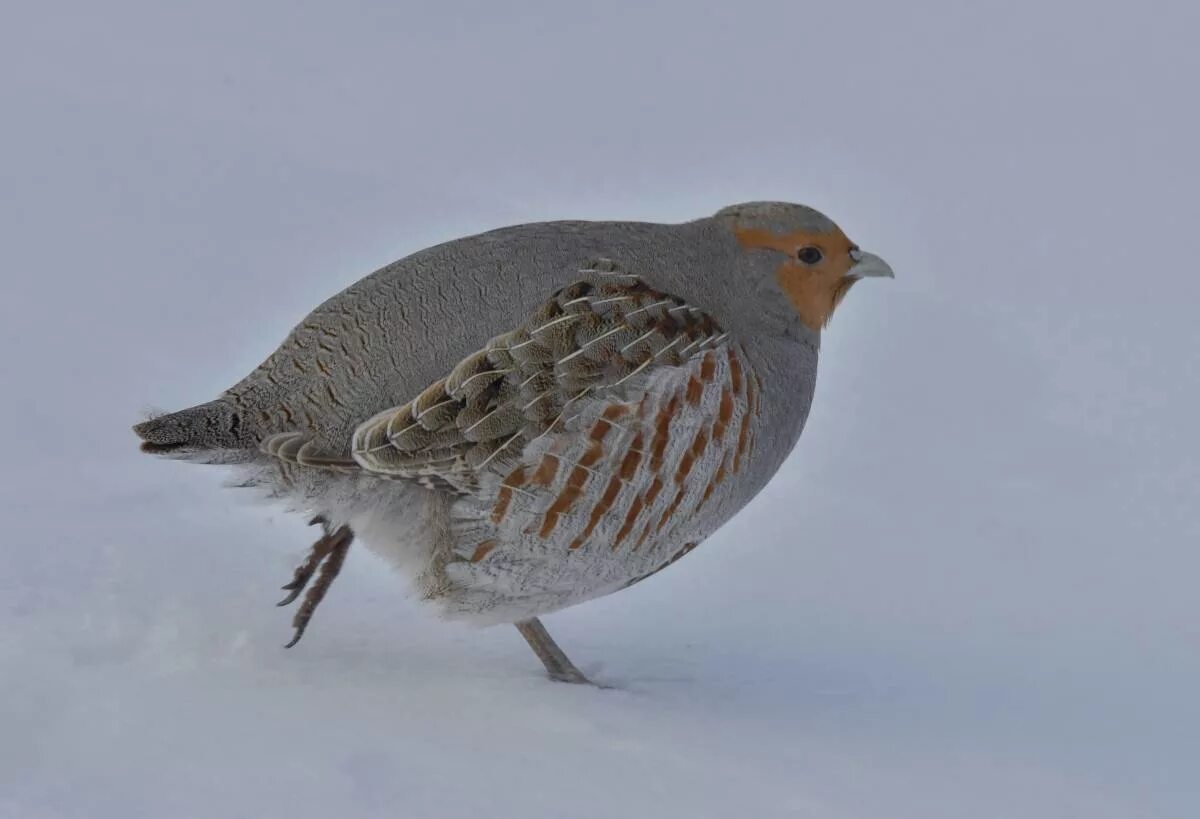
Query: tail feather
x=213, y=426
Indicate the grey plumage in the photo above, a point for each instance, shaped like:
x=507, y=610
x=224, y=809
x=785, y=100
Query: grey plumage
x=211, y=425
x=414, y=405
x=387, y=337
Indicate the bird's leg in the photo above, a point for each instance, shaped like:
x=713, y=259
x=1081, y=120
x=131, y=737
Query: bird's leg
x=305, y=570
x=557, y=665
x=327, y=554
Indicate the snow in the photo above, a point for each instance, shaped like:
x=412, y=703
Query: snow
x=970, y=592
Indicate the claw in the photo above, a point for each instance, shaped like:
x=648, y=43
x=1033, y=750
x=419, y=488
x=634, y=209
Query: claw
x=295, y=587
x=327, y=555
x=295, y=593
x=304, y=572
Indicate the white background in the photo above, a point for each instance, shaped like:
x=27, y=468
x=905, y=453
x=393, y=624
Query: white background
x=970, y=592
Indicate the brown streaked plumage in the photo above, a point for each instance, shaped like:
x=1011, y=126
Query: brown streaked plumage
x=520, y=430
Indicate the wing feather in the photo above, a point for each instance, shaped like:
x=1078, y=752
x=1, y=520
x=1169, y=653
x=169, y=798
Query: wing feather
x=599, y=336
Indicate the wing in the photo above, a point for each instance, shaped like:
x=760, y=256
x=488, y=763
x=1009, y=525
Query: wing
x=583, y=443
x=599, y=340
x=603, y=336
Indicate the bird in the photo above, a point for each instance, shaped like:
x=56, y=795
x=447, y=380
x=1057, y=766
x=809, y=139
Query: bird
x=539, y=415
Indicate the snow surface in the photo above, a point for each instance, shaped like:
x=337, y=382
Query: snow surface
x=970, y=593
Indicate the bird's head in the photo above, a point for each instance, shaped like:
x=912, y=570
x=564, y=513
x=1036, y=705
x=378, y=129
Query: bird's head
x=800, y=254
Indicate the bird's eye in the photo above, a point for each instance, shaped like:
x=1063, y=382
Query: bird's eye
x=809, y=254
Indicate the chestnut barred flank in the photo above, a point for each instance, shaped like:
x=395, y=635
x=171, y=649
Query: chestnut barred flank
x=518, y=433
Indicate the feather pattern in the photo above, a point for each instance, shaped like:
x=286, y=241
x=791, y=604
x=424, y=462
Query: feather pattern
x=602, y=335
x=600, y=435
x=582, y=444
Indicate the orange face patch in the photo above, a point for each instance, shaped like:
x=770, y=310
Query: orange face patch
x=814, y=290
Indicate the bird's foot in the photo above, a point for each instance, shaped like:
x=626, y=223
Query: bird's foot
x=327, y=555
x=571, y=675
x=558, y=666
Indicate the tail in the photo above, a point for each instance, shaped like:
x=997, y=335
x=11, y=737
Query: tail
x=198, y=432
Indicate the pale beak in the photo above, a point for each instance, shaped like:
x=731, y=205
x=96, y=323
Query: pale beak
x=868, y=264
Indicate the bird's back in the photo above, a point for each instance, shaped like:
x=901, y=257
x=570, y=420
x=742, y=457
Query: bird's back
x=385, y=338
